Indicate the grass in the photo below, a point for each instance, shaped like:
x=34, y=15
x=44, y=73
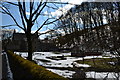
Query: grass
x=57, y=52
x=26, y=70
x=101, y=64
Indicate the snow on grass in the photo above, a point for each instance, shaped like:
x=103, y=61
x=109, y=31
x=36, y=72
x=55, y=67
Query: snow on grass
x=92, y=74
x=22, y=54
x=80, y=65
x=101, y=75
x=37, y=56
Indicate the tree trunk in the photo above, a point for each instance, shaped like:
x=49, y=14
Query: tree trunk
x=30, y=48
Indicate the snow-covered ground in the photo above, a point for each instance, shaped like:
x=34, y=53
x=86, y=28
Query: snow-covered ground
x=68, y=62
x=37, y=56
x=92, y=74
x=59, y=63
x=102, y=75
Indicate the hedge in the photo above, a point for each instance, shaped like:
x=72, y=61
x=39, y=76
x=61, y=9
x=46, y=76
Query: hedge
x=38, y=72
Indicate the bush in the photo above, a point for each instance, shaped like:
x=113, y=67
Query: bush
x=37, y=72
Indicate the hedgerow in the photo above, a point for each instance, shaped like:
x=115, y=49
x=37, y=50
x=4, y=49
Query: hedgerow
x=38, y=72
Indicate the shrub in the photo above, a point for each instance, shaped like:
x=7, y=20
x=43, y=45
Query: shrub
x=37, y=72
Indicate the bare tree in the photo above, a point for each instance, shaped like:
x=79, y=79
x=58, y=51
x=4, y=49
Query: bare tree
x=88, y=21
x=35, y=10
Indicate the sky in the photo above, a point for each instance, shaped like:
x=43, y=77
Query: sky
x=61, y=9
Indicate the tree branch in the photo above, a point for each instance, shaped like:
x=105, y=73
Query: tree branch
x=9, y=2
x=8, y=26
x=23, y=10
x=39, y=12
x=8, y=12
x=51, y=7
x=31, y=8
x=2, y=12
x=21, y=14
x=47, y=23
x=53, y=21
x=12, y=3
x=63, y=3
x=42, y=25
x=36, y=9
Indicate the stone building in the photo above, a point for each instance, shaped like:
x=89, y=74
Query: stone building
x=18, y=42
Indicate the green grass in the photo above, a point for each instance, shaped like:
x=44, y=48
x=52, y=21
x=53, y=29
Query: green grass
x=101, y=64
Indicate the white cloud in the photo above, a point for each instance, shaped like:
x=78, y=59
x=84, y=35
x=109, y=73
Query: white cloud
x=63, y=10
x=27, y=13
x=76, y=2
x=46, y=13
